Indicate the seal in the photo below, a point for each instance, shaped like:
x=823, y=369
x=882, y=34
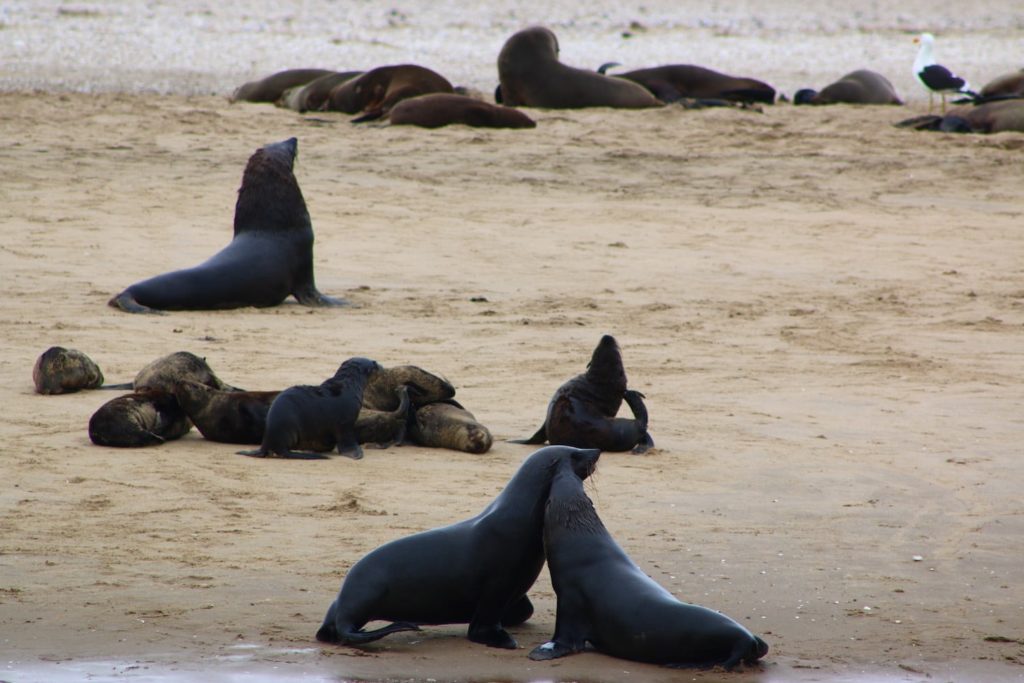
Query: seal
x=225, y=416
x=382, y=389
x=64, y=371
x=270, y=256
x=674, y=82
x=1004, y=86
x=447, y=424
x=166, y=372
x=606, y=600
x=270, y=88
x=384, y=428
x=862, y=86
x=313, y=95
x=996, y=116
x=148, y=417
x=476, y=571
x=378, y=90
x=318, y=418
x=582, y=411
x=531, y=76
x=443, y=109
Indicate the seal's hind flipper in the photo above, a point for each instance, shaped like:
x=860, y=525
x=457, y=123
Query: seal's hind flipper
x=539, y=437
x=124, y=386
x=550, y=650
x=127, y=303
x=360, y=637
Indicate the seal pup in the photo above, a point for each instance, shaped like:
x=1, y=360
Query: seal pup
x=270, y=88
x=269, y=257
x=168, y=371
x=444, y=109
x=313, y=95
x=148, y=417
x=531, y=76
x=64, y=371
x=318, y=418
x=225, y=416
x=606, y=600
x=385, y=428
x=374, y=93
x=996, y=116
x=862, y=86
x=447, y=424
x=382, y=389
x=475, y=571
x=582, y=411
x=674, y=82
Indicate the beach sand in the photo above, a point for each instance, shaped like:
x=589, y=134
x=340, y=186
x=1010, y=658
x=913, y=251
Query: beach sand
x=826, y=314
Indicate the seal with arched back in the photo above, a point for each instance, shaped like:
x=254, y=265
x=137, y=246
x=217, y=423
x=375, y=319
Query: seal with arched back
x=862, y=86
x=606, y=601
x=476, y=571
x=269, y=258
x=673, y=82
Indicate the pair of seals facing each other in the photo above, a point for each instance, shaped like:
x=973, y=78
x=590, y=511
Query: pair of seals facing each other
x=997, y=116
x=269, y=258
x=675, y=82
x=607, y=601
x=582, y=411
x=862, y=86
x=476, y=571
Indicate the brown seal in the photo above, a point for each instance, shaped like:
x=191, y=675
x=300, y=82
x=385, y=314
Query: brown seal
x=313, y=95
x=269, y=257
x=997, y=116
x=448, y=425
x=857, y=87
x=582, y=411
x=65, y=371
x=147, y=417
x=531, y=76
x=182, y=366
x=382, y=389
x=225, y=416
x=444, y=109
x=385, y=428
x=375, y=92
x=1005, y=86
x=270, y=88
x=674, y=82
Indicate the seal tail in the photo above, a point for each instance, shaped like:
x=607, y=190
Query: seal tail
x=539, y=437
x=328, y=633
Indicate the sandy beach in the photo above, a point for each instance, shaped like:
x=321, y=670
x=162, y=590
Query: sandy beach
x=826, y=314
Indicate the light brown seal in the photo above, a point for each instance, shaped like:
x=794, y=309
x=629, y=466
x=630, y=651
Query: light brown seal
x=531, y=76
x=166, y=372
x=382, y=389
x=1005, y=86
x=148, y=417
x=448, y=425
x=64, y=371
x=674, y=82
x=374, y=93
x=862, y=86
x=270, y=88
x=997, y=116
x=444, y=109
x=313, y=95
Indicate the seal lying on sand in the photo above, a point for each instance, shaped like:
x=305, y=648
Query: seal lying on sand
x=65, y=371
x=582, y=411
x=857, y=87
x=313, y=95
x=147, y=417
x=991, y=117
x=606, y=600
x=1005, y=86
x=475, y=571
x=532, y=76
x=443, y=109
x=225, y=416
x=448, y=425
x=168, y=371
x=270, y=256
x=318, y=418
x=673, y=82
x=385, y=428
x=375, y=92
x=271, y=88
x=381, y=391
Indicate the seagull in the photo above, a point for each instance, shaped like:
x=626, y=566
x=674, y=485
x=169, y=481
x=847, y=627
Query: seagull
x=935, y=77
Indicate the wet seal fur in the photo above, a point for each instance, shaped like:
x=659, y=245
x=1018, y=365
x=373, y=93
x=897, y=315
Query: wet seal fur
x=443, y=109
x=270, y=88
x=531, y=76
x=582, y=411
x=447, y=424
x=148, y=417
x=64, y=371
x=475, y=571
x=674, y=82
x=318, y=418
x=606, y=600
x=374, y=93
x=269, y=257
x=857, y=87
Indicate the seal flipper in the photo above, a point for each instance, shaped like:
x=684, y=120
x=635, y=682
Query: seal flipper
x=635, y=401
x=127, y=303
x=290, y=455
x=539, y=437
x=491, y=636
x=329, y=633
x=309, y=295
x=551, y=650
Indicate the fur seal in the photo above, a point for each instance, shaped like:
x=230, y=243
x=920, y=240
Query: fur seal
x=996, y=116
x=1005, y=86
x=582, y=411
x=181, y=366
x=447, y=424
x=475, y=571
x=374, y=93
x=674, y=82
x=857, y=87
x=531, y=76
x=269, y=257
x=147, y=417
x=65, y=371
x=381, y=391
x=313, y=95
x=225, y=416
x=318, y=418
x=443, y=109
x=385, y=428
x=606, y=600
x=270, y=88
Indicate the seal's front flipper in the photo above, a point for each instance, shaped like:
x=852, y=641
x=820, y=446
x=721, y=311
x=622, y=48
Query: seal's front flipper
x=645, y=444
x=540, y=437
x=550, y=650
x=491, y=636
x=311, y=296
x=258, y=453
x=127, y=303
x=330, y=635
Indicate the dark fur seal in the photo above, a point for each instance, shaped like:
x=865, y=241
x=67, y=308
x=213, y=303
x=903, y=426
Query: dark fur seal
x=448, y=425
x=313, y=95
x=606, y=600
x=225, y=416
x=385, y=428
x=271, y=88
x=443, y=109
x=582, y=411
x=531, y=76
x=1004, y=87
x=991, y=117
x=674, y=82
x=375, y=92
x=65, y=371
x=857, y=87
x=318, y=418
x=381, y=391
x=475, y=571
x=270, y=256
x=147, y=417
